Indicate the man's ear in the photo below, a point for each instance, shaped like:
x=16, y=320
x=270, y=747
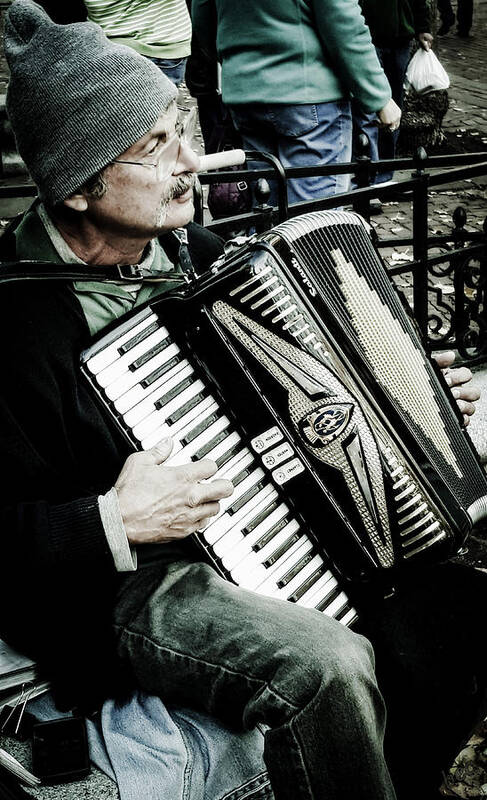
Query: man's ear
x=76, y=201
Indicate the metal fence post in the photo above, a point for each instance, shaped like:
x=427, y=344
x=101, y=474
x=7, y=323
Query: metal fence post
x=362, y=175
x=279, y=177
x=420, y=241
x=262, y=193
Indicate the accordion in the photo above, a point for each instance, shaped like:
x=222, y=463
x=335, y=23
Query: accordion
x=293, y=365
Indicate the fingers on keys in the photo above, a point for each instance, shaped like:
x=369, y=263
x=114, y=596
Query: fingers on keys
x=458, y=377
x=445, y=359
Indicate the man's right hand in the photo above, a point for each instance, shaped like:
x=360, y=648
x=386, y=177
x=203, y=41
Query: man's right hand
x=458, y=379
x=390, y=116
x=160, y=503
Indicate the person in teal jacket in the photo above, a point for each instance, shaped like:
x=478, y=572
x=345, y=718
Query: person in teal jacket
x=289, y=70
x=393, y=24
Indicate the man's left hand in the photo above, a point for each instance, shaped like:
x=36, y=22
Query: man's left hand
x=425, y=40
x=457, y=379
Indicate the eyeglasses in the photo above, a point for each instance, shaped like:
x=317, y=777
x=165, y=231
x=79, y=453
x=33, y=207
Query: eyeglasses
x=167, y=155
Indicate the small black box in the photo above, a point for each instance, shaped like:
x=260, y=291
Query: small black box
x=60, y=750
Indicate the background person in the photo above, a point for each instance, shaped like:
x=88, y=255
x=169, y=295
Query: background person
x=392, y=24
x=158, y=29
x=288, y=72
x=447, y=16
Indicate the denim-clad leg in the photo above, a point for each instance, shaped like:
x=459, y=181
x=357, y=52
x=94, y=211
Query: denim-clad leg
x=300, y=136
x=394, y=61
x=201, y=642
x=173, y=68
x=156, y=753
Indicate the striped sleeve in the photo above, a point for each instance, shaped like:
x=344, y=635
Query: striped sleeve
x=152, y=22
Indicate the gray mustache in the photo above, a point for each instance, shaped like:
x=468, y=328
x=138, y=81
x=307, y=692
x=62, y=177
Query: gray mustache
x=181, y=186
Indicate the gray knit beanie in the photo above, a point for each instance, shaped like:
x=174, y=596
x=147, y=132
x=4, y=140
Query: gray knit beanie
x=75, y=100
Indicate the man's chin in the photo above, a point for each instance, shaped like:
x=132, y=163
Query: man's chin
x=180, y=211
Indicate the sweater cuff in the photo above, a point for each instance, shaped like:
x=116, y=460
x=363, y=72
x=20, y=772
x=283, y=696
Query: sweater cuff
x=124, y=556
x=76, y=532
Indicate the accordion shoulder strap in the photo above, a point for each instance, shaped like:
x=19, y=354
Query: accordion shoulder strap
x=36, y=270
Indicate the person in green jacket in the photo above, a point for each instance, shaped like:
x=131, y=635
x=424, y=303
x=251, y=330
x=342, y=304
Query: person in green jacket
x=289, y=70
x=393, y=24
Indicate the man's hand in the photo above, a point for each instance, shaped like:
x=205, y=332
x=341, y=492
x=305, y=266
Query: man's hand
x=457, y=380
x=390, y=116
x=162, y=504
x=425, y=40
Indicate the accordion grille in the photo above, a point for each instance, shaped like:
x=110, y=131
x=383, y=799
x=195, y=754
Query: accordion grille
x=335, y=250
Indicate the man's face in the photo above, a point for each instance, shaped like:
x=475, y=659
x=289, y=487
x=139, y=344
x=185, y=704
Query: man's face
x=153, y=193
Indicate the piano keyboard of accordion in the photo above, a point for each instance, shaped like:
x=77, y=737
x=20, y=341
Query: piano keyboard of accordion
x=296, y=369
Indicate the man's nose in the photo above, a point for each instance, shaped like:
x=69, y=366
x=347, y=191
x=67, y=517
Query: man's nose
x=188, y=160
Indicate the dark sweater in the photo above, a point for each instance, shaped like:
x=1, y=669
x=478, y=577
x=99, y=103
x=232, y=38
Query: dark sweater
x=59, y=452
x=394, y=22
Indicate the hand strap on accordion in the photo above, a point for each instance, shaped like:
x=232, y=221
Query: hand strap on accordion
x=39, y=270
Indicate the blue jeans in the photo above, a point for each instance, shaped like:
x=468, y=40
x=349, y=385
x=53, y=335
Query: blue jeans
x=300, y=136
x=173, y=68
x=394, y=61
x=200, y=642
x=153, y=752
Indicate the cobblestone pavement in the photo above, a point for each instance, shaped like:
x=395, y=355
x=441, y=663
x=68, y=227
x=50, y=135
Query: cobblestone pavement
x=465, y=60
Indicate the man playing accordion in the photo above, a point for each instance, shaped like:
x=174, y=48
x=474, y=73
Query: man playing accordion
x=100, y=581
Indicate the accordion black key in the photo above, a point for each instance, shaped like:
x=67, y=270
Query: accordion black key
x=295, y=367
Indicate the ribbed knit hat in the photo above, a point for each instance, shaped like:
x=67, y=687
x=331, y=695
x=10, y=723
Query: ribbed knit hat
x=75, y=100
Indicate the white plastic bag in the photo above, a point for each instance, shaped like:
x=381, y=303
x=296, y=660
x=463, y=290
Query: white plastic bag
x=425, y=73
